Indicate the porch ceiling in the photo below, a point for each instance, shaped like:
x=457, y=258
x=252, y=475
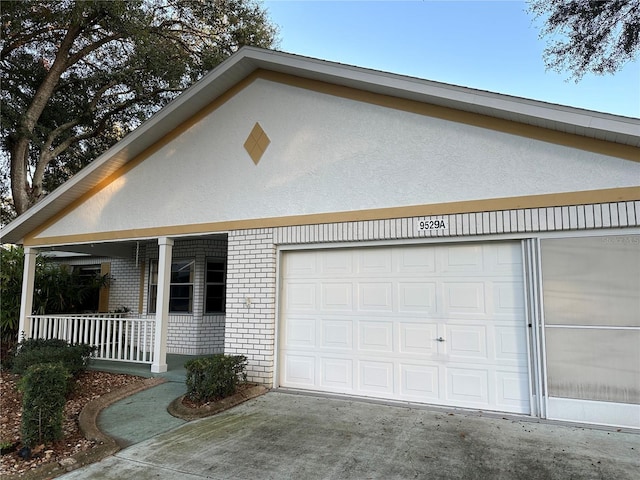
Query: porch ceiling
x=120, y=249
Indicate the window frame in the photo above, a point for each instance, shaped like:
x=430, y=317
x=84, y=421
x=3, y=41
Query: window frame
x=173, y=285
x=210, y=283
x=91, y=272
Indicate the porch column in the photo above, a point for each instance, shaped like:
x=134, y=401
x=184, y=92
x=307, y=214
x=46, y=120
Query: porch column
x=26, y=299
x=159, y=364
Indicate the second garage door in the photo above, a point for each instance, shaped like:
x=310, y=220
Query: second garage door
x=433, y=324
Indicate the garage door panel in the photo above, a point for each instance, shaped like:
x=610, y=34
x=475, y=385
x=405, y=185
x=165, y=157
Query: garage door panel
x=510, y=344
x=303, y=264
x=465, y=259
x=300, y=332
x=419, y=382
x=336, y=334
x=367, y=321
x=512, y=390
x=465, y=342
x=467, y=386
x=502, y=259
x=376, y=377
x=418, y=338
x=299, y=370
x=416, y=261
x=376, y=297
x=417, y=297
x=508, y=298
x=336, y=373
x=375, y=261
x=340, y=264
x=375, y=336
x=300, y=297
x=507, y=260
x=464, y=298
x=336, y=296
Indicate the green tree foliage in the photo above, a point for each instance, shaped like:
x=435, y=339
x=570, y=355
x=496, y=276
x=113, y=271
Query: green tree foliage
x=57, y=289
x=78, y=74
x=11, y=267
x=7, y=212
x=586, y=36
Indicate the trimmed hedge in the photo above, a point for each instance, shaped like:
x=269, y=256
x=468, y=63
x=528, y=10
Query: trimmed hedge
x=215, y=377
x=74, y=358
x=44, y=388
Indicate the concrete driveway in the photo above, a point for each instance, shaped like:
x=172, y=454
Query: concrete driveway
x=287, y=436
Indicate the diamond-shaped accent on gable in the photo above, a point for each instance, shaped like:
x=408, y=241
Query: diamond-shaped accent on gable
x=256, y=143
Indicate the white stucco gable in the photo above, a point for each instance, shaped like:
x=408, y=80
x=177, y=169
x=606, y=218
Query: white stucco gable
x=346, y=143
x=329, y=154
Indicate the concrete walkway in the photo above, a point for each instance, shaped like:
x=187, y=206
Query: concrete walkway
x=287, y=436
x=141, y=416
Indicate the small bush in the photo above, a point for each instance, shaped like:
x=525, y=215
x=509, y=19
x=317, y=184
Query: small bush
x=74, y=358
x=44, y=387
x=215, y=377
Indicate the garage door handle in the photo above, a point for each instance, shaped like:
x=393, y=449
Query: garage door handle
x=440, y=339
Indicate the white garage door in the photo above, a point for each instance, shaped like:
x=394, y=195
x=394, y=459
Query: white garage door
x=433, y=324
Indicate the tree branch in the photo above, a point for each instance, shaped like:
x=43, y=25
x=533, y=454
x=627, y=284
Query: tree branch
x=83, y=52
x=48, y=85
x=24, y=39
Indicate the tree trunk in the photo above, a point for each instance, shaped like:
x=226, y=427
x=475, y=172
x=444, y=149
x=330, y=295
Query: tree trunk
x=21, y=191
x=19, y=182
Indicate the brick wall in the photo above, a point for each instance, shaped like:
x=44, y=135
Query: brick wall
x=124, y=290
x=251, y=302
x=546, y=219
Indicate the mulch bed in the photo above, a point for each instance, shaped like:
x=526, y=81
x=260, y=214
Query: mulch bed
x=90, y=386
x=187, y=409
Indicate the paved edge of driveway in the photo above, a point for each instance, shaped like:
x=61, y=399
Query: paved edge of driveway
x=87, y=420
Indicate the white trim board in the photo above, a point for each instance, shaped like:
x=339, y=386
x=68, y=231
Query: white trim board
x=593, y=412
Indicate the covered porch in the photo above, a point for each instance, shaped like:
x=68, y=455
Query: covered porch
x=166, y=297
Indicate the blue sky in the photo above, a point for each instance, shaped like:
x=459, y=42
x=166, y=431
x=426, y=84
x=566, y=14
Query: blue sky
x=488, y=45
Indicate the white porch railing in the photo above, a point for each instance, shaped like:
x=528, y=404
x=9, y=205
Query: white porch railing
x=117, y=337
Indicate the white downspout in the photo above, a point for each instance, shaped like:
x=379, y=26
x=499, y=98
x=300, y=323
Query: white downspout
x=159, y=364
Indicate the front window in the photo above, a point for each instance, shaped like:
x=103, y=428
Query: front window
x=181, y=288
x=89, y=285
x=215, y=281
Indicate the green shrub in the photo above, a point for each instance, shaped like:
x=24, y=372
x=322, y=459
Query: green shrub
x=74, y=357
x=44, y=387
x=215, y=377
